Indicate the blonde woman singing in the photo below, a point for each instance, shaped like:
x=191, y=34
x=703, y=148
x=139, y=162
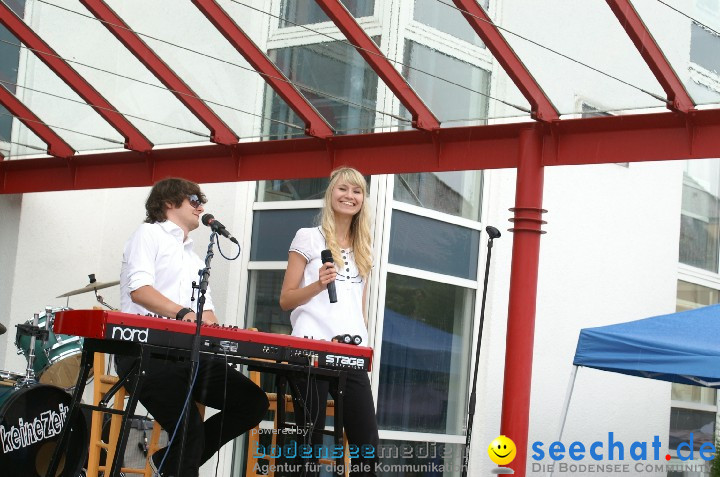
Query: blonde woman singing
x=345, y=230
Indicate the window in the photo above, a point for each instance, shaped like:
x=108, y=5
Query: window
x=438, y=247
x=447, y=101
x=344, y=94
x=9, y=60
x=291, y=189
x=273, y=230
x=700, y=219
x=425, y=356
x=294, y=189
x=454, y=192
x=704, y=44
x=304, y=12
x=447, y=19
x=428, y=277
x=263, y=311
x=694, y=408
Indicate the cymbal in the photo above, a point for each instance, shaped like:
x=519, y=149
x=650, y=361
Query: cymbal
x=90, y=287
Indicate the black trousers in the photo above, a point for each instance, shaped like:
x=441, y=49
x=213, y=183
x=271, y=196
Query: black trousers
x=241, y=403
x=358, y=419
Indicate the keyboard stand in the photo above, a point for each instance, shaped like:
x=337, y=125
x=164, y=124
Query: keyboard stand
x=132, y=381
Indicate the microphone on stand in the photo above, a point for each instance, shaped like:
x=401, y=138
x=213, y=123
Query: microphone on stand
x=216, y=226
x=492, y=232
x=326, y=256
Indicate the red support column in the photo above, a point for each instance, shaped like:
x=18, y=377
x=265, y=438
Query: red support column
x=523, y=294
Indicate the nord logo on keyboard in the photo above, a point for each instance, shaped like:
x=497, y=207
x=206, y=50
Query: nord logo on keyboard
x=350, y=361
x=130, y=334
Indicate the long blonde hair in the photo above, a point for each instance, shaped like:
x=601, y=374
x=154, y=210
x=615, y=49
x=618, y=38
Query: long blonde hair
x=360, y=237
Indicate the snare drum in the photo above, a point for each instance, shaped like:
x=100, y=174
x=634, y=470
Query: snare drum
x=31, y=419
x=57, y=360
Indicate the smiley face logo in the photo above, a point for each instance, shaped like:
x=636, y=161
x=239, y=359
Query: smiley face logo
x=502, y=450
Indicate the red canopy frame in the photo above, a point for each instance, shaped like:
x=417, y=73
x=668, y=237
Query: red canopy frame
x=219, y=131
x=678, y=98
x=56, y=145
x=423, y=118
x=134, y=139
x=315, y=124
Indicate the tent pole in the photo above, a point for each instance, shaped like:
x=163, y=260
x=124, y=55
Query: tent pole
x=566, y=405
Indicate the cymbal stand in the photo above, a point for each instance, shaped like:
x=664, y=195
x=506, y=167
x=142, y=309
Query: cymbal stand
x=35, y=332
x=101, y=300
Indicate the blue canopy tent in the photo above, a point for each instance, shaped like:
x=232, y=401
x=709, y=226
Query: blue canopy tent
x=681, y=347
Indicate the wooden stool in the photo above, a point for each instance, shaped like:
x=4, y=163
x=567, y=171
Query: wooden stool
x=103, y=382
x=254, y=435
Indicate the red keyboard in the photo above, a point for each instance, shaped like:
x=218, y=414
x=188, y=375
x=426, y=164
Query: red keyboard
x=220, y=340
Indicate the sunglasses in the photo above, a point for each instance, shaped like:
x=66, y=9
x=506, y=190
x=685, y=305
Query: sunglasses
x=194, y=201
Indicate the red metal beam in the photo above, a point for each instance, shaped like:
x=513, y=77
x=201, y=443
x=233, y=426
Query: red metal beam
x=134, y=139
x=647, y=137
x=56, y=145
x=219, y=131
x=423, y=118
x=652, y=54
x=634, y=138
x=523, y=294
x=315, y=124
x=377, y=153
x=542, y=108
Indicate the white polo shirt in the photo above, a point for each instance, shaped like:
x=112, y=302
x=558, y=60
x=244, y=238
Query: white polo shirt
x=318, y=318
x=156, y=255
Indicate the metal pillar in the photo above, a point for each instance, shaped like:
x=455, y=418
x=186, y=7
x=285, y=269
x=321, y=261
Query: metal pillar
x=523, y=293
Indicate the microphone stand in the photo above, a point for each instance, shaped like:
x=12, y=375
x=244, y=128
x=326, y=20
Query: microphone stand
x=202, y=287
x=493, y=233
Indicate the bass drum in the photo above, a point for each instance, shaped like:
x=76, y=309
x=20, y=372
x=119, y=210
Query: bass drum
x=31, y=419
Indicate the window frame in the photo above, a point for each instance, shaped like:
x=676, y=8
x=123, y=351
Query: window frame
x=394, y=23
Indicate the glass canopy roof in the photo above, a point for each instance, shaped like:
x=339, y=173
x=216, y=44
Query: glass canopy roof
x=92, y=77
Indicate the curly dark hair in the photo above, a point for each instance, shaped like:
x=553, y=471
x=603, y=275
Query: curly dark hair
x=172, y=190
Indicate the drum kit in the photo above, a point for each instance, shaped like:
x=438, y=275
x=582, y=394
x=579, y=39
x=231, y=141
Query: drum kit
x=34, y=405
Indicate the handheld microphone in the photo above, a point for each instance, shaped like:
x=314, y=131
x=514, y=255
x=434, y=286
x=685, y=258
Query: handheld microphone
x=216, y=226
x=326, y=256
